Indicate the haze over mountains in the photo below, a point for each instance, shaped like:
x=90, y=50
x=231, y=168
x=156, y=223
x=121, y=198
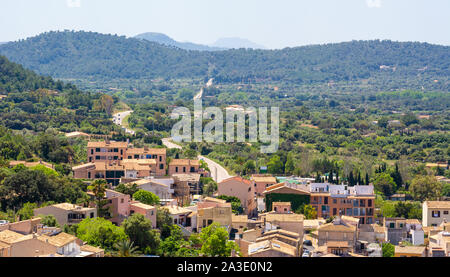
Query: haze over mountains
x=236, y=43
x=81, y=55
x=220, y=44
x=166, y=40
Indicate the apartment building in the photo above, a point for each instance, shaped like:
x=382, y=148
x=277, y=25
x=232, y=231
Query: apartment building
x=157, y=154
x=183, y=166
x=335, y=200
x=213, y=210
x=261, y=182
x=337, y=235
x=66, y=213
x=242, y=189
x=434, y=213
x=103, y=151
x=113, y=171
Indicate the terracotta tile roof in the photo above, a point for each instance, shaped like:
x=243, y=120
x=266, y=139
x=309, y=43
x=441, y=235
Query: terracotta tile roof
x=138, y=165
x=4, y=245
x=239, y=218
x=111, y=144
x=58, y=240
x=185, y=162
x=89, y=248
x=142, y=182
x=142, y=206
x=71, y=207
x=409, y=249
x=237, y=178
x=188, y=177
x=216, y=200
x=284, y=217
x=264, y=179
x=273, y=244
x=177, y=210
x=10, y=237
x=150, y=151
x=283, y=232
x=336, y=228
x=296, y=188
x=438, y=204
x=350, y=218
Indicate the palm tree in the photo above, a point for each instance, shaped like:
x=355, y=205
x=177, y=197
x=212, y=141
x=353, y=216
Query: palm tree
x=125, y=248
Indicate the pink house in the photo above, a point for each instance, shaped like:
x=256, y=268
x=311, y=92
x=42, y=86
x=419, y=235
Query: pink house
x=121, y=206
x=242, y=189
x=146, y=210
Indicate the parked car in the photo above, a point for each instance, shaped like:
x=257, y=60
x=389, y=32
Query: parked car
x=307, y=242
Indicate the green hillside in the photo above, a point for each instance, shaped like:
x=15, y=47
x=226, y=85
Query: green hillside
x=92, y=55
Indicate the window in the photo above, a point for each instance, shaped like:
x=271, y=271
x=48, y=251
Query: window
x=97, y=149
x=89, y=175
x=436, y=214
x=334, y=211
x=369, y=202
x=161, y=166
x=392, y=225
x=325, y=200
x=160, y=158
x=116, y=150
x=334, y=201
x=92, y=215
x=445, y=212
x=97, y=157
x=176, y=169
x=192, y=169
x=121, y=200
x=184, y=169
x=92, y=151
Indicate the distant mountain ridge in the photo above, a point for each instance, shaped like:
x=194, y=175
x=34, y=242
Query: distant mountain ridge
x=237, y=43
x=166, y=40
x=82, y=55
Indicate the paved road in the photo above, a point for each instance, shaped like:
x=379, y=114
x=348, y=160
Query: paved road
x=200, y=94
x=218, y=173
x=169, y=144
x=118, y=118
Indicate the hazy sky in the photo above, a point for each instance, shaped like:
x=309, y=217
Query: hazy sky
x=272, y=23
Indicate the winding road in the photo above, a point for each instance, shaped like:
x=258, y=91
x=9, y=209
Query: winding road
x=118, y=119
x=218, y=172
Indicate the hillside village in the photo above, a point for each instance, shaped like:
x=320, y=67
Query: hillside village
x=264, y=215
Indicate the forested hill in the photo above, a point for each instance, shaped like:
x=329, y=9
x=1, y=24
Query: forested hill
x=86, y=54
x=15, y=78
x=37, y=103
